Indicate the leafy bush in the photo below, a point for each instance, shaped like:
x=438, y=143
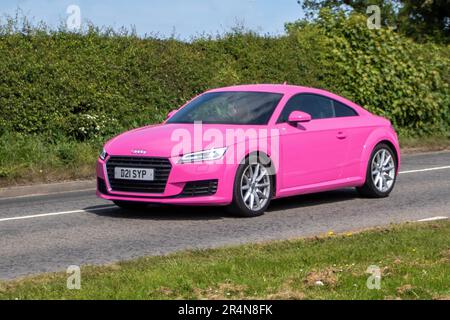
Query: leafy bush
x=85, y=126
x=386, y=73
x=92, y=85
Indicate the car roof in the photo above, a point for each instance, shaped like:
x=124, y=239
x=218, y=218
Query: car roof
x=274, y=88
x=290, y=90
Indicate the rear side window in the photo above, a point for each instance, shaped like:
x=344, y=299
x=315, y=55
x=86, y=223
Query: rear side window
x=317, y=106
x=341, y=110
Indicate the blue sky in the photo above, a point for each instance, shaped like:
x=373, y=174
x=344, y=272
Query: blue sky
x=184, y=18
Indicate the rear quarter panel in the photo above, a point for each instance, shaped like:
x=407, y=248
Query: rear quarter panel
x=377, y=135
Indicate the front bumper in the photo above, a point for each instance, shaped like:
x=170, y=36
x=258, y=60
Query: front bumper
x=177, y=188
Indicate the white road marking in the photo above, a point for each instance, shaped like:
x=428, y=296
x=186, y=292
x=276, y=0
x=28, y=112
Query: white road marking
x=46, y=194
x=53, y=214
x=423, y=170
x=433, y=219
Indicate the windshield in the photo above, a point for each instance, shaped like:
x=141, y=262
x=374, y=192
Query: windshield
x=229, y=108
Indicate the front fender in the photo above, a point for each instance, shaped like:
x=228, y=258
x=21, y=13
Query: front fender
x=262, y=148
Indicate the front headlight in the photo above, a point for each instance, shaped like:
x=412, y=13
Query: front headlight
x=103, y=155
x=207, y=155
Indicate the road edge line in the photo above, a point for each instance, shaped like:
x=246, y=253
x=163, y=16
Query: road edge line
x=47, y=189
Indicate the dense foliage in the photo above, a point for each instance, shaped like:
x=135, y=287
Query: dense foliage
x=92, y=85
x=421, y=20
x=383, y=71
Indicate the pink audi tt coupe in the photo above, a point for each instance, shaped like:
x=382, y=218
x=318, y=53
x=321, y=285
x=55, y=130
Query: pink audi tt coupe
x=242, y=146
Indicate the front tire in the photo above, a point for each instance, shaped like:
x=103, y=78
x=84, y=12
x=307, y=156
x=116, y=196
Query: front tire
x=381, y=173
x=253, y=189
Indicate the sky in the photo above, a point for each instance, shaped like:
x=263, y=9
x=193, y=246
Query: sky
x=184, y=19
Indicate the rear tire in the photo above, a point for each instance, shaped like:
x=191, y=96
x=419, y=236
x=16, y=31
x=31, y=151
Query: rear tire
x=252, y=190
x=381, y=173
x=130, y=205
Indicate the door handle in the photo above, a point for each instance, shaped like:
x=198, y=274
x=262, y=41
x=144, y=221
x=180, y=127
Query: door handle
x=341, y=135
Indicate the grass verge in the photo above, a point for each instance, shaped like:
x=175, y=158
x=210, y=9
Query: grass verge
x=414, y=260
x=37, y=159
x=424, y=144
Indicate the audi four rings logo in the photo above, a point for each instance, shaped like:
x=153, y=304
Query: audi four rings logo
x=138, y=151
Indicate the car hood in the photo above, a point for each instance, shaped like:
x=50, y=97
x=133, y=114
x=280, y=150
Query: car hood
x=166, y=140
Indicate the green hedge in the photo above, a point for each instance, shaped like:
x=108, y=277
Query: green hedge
x=92, y=85
x=386, y=73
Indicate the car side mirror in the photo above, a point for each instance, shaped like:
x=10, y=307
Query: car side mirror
x=171, y=113
x=299, y=116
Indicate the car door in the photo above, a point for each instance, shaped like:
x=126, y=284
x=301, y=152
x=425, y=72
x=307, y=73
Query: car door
x=357, y=133
x=311, y=152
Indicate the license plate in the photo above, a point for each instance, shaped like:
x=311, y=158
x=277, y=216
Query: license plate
x=134, y=174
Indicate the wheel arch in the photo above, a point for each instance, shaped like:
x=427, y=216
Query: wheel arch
x=379, y=136
x=392, y=146
x=265, y=158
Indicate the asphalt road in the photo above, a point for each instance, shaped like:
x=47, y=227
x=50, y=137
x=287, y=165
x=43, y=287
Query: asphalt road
x=82, y=229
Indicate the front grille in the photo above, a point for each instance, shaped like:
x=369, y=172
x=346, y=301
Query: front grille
x=161, y=168
x=199, y=188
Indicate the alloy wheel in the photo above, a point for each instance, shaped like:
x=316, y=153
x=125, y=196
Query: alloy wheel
x=383, y=170
x=255, y=186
